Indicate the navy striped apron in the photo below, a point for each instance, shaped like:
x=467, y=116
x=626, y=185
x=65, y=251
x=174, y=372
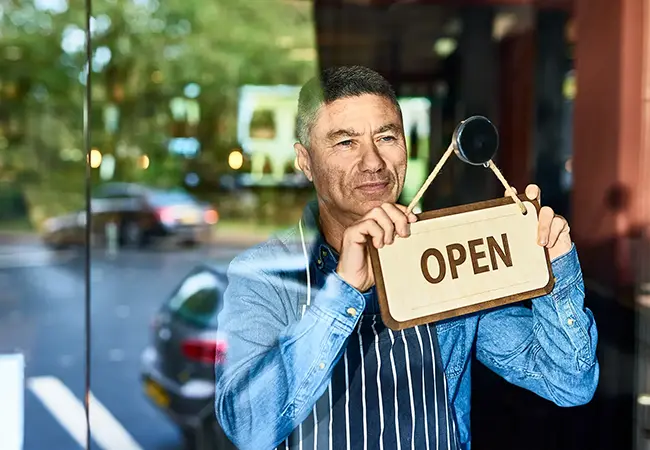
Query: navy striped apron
x=388, y=391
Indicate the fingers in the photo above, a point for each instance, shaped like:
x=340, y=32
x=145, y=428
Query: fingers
x=507, y=194
x=533, y=192
x=385, y=222
x=550, y=227
x=411, y=217
x=381, y=225
x=559, y=225
x=364, y=229
x=399, y=219
x=546, y=215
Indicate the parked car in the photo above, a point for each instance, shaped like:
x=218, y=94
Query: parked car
x=178, y=364
x=137, y=214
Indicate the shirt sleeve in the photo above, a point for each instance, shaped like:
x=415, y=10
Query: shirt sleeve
x=276, y=368
x=550, y=348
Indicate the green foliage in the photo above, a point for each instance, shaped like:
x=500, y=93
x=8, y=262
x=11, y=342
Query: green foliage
x=156, y=48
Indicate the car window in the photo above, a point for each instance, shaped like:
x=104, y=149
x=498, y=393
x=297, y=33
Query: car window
x=119, y=195
x=165, y=198
x=120, y=190
x=197, y=300
x=112, y=191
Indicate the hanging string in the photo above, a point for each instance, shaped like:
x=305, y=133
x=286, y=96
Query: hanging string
x=507, y=187
x=437, y=169
x=429, y=180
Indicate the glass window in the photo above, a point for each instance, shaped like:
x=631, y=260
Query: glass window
x=140, y=156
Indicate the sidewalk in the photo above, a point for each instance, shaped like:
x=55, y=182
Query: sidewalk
x=226, y=238
x=18, y=238
x=238, y=239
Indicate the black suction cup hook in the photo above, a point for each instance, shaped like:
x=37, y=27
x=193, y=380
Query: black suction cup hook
x=476, y=140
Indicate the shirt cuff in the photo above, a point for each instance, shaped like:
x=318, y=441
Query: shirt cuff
x=566, y=269
x=340, y=302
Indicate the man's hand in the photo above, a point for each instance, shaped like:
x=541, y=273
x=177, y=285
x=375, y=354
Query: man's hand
x=552, y=230
x=381, y=225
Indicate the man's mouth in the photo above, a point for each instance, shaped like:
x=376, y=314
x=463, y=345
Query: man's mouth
x=373, y=187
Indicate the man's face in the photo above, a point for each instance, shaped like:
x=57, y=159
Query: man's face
x=357, y=159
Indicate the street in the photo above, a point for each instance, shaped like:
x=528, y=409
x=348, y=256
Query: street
x=42, y=317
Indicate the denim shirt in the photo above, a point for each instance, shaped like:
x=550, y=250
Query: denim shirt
x=283, y=339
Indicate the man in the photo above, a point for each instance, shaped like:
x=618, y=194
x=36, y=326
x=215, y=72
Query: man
x=309, y=362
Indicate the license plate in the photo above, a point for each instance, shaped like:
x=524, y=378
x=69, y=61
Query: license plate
x=189, y=219
x=156, y=393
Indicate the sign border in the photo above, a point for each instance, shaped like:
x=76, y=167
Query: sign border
x=395, y=325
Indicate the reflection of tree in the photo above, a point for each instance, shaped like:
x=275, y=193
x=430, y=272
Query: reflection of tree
x=146, y=52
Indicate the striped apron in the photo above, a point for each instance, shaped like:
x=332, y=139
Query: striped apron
x=388, y=391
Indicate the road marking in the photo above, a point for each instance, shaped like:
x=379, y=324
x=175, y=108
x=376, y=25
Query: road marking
x=62, y=404
x=12, y=405
x=107, y=432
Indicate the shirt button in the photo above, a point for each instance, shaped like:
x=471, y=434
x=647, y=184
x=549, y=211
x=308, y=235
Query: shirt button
x=321, y=366
x=570, y=321
x=352, y=312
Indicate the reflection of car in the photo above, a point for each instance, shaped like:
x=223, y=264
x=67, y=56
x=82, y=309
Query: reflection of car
x=178, y=365
x=139, y=213
x=64, y=231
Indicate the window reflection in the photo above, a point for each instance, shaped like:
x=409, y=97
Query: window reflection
x=193, y=119
x=197, y=300
x=179, y=187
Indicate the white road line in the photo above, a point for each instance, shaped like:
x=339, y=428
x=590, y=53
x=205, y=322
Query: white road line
x=62, y=404
x=12, y=405
x=107, y=432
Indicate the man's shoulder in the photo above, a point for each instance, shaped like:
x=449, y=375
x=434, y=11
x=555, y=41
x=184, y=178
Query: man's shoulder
x=279, y=250
x=271, y=271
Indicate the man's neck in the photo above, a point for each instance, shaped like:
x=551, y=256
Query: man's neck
x=333, y=225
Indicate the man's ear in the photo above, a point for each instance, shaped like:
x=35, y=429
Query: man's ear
x=303, y=159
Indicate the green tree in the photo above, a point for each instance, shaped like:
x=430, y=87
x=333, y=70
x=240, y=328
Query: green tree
x=145, y=53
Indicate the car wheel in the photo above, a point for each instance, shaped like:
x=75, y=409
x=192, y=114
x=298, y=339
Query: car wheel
x=189, y=439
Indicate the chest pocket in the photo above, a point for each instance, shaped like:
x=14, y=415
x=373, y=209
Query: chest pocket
x=451, y=337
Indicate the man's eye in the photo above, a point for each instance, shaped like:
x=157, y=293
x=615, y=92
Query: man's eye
x=345, y=143
x=387, y=138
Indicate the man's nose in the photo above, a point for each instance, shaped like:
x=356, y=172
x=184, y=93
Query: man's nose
x=371, y=160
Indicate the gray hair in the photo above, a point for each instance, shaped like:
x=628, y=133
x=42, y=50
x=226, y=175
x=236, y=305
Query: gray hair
x=333, y=84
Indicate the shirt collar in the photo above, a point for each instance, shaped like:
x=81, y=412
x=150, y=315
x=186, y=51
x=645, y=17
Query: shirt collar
x=324, y=255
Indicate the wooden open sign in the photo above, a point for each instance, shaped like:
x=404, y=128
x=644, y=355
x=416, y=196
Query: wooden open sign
x=462, y=260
